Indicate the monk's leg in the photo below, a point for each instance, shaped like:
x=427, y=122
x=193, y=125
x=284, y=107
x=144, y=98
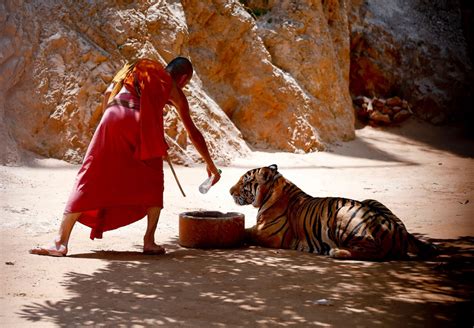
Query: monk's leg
x=59, y=246
x=149, y=246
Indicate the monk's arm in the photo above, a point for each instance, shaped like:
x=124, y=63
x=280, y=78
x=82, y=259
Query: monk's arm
x=178, y=99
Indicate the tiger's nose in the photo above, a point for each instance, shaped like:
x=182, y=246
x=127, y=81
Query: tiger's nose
x=232, y=190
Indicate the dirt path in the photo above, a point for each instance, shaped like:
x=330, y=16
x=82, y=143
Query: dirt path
x=425, y=175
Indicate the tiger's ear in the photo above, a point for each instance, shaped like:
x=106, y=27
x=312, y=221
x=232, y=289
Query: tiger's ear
x=273, y=167
x=265, y=174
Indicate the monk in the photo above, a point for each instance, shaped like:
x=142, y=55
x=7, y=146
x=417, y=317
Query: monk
x=121, y=178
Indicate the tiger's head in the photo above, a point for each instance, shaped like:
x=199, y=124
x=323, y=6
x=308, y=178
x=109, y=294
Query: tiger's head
x=253, y=186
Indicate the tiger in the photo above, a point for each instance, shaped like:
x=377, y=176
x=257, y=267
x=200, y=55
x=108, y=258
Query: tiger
x=342, y=228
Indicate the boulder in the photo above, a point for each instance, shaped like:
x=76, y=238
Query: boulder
x=263, y=80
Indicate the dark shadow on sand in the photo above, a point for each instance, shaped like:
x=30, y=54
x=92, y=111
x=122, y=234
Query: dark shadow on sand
x=250, y=287
x=448, y=138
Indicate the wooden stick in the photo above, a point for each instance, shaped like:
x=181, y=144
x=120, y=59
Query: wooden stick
x=175, y=176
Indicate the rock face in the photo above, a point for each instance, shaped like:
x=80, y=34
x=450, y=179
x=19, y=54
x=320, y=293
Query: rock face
x=57, y=69
x=282, y=76
x=252, y=85
x=415, y=50
x=268, y=74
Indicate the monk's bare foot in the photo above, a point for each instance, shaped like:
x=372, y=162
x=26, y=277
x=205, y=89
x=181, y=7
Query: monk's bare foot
x=54, y=250
x=153, y=249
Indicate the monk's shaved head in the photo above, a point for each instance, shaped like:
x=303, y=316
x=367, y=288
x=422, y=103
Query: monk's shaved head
x=181, y=70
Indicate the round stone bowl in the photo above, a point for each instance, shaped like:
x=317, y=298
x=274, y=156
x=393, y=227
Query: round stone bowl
x=211, y=229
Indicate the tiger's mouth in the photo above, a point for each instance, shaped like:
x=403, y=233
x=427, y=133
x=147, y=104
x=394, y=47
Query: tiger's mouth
x=240, y=200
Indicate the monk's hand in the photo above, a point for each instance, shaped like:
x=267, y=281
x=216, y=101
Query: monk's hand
x=212, y=170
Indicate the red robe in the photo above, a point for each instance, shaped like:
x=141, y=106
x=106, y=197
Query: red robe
x=122, y=173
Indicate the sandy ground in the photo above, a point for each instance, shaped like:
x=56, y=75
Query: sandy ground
x=424, y=174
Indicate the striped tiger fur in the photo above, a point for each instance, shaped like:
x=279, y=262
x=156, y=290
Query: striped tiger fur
x=342, y=228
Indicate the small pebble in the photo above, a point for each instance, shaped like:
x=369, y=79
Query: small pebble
x=323, y=301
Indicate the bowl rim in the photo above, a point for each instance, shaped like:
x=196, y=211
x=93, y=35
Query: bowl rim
x=213, y=215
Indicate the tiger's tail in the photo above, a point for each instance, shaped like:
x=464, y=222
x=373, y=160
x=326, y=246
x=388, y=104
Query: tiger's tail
x=423, y=249
x=416, y=246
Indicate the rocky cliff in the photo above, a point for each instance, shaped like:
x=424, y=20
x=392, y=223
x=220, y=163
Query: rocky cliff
x=253, y=85
x=268, y=74
x=58, y=58
x=417, y=50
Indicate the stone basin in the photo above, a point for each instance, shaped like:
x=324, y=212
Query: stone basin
x=211, y=229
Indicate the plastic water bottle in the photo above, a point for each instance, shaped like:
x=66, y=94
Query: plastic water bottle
x=207, y=184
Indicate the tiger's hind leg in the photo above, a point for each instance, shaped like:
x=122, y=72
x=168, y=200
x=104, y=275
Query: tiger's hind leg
x=378, y=206
x=340, y=253
x=365, y=249
x=356, y=254
x=381, y=209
